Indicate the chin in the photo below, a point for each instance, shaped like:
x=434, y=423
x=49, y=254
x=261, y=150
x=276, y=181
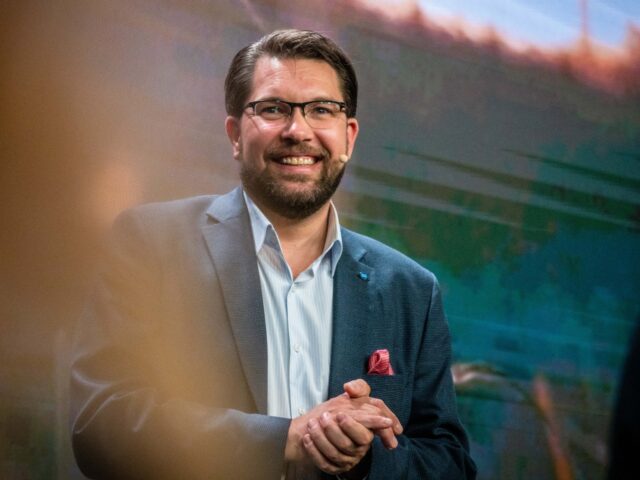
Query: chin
x=293, y=198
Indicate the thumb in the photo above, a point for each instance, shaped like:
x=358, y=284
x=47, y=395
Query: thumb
x=357, y=388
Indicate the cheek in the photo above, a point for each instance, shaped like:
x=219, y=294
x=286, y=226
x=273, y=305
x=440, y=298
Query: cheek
x=247, y=147
x=335, y=142
x=257, y=142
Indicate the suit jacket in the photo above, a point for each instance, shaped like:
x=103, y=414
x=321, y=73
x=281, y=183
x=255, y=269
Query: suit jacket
x=169, y=376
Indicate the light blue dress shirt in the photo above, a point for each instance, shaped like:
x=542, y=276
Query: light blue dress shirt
x=298, y=317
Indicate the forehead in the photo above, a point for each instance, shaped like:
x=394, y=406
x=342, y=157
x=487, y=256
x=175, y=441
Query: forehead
x=294, y=79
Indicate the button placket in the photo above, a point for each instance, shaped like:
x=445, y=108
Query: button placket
x=296, y=360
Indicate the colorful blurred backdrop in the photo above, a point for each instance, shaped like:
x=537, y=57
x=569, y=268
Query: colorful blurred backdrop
x=499, y=147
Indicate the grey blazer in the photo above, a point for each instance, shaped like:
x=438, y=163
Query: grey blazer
x=169, y=375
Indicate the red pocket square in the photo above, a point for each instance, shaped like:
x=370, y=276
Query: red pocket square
x=379, y=363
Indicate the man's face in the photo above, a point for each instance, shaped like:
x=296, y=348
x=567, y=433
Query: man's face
x=291, y=168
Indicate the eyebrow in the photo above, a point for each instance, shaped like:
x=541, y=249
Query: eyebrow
x=280, y=99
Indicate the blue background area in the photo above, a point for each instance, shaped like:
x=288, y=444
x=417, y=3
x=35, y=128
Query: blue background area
x=543, y=22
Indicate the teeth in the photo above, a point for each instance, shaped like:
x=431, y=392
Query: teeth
x=298, y=160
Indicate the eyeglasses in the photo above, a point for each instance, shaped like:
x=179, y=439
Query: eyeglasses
x=317, y=113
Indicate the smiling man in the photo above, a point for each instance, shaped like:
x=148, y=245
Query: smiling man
x=288, y=150
x=248, y=335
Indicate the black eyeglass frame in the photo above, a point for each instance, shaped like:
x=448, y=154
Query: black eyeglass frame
x=292, y=105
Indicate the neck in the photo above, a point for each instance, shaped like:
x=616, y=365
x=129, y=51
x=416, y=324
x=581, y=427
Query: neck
x=302, y=240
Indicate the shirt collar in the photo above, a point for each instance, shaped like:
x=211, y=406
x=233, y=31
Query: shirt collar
x=262, y=228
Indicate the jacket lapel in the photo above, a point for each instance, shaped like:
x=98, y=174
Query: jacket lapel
x=356, y=308
x=230, y=243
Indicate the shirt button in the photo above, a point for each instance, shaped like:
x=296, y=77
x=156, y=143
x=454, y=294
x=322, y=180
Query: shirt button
x=301, y=411
x=296, y=348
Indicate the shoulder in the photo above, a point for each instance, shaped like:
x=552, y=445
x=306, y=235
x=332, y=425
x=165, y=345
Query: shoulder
x=157, y=213
x=161, y=224
x=192, y=211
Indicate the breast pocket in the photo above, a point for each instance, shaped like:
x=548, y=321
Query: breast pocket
x=394, y=391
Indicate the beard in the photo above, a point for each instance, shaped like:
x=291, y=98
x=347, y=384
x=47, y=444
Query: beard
x=293, y=203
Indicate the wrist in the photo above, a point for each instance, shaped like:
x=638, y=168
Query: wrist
x=293, y=450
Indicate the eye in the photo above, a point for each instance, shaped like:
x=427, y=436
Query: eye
x=271, y=109
x=324, y=109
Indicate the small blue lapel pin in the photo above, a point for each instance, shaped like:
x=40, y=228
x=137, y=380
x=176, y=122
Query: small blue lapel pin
x=363, y=276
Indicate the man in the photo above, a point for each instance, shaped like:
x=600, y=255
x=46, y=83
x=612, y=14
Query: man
x=236, y=336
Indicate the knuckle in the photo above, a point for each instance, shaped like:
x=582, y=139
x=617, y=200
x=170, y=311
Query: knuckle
x=332, y=470
x=362, y=451
x=344, y=444
x=335, y=458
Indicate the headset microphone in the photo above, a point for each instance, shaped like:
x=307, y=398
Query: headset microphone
x=343, y=158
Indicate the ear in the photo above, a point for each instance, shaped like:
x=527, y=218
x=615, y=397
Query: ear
x=352, y=133
x=232, y=127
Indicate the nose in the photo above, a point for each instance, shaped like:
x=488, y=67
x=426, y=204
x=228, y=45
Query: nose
x=297, y=128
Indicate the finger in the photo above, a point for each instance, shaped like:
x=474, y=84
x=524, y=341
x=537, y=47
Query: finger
x=369, y=405
x=357, y=388
x=357, y=423
x=340, y=439
x=397, y=426
x=388, y=438
x=368, y=420
x=373, y=406
x=326, y=448
x=358, y=433
x=317, y=458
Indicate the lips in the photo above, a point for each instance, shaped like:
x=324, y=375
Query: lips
x=297, y=156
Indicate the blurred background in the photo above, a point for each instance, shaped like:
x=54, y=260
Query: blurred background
x=499, y=147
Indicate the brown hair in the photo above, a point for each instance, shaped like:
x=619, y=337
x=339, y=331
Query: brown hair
x=288, y=44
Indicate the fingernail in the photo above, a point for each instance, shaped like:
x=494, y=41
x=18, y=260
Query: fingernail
x=312, y=423
x=325, y=417
x=387, y=421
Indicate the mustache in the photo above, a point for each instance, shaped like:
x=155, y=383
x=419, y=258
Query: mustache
x=298, y=150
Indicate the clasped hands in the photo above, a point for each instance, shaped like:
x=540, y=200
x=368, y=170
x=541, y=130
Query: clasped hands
x=335, y=435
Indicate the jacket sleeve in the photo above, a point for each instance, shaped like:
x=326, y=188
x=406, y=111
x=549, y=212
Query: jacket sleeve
x=434, y=444
x=134, y=414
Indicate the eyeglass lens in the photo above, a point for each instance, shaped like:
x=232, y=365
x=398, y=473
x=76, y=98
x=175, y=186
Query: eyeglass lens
x=320, y=114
